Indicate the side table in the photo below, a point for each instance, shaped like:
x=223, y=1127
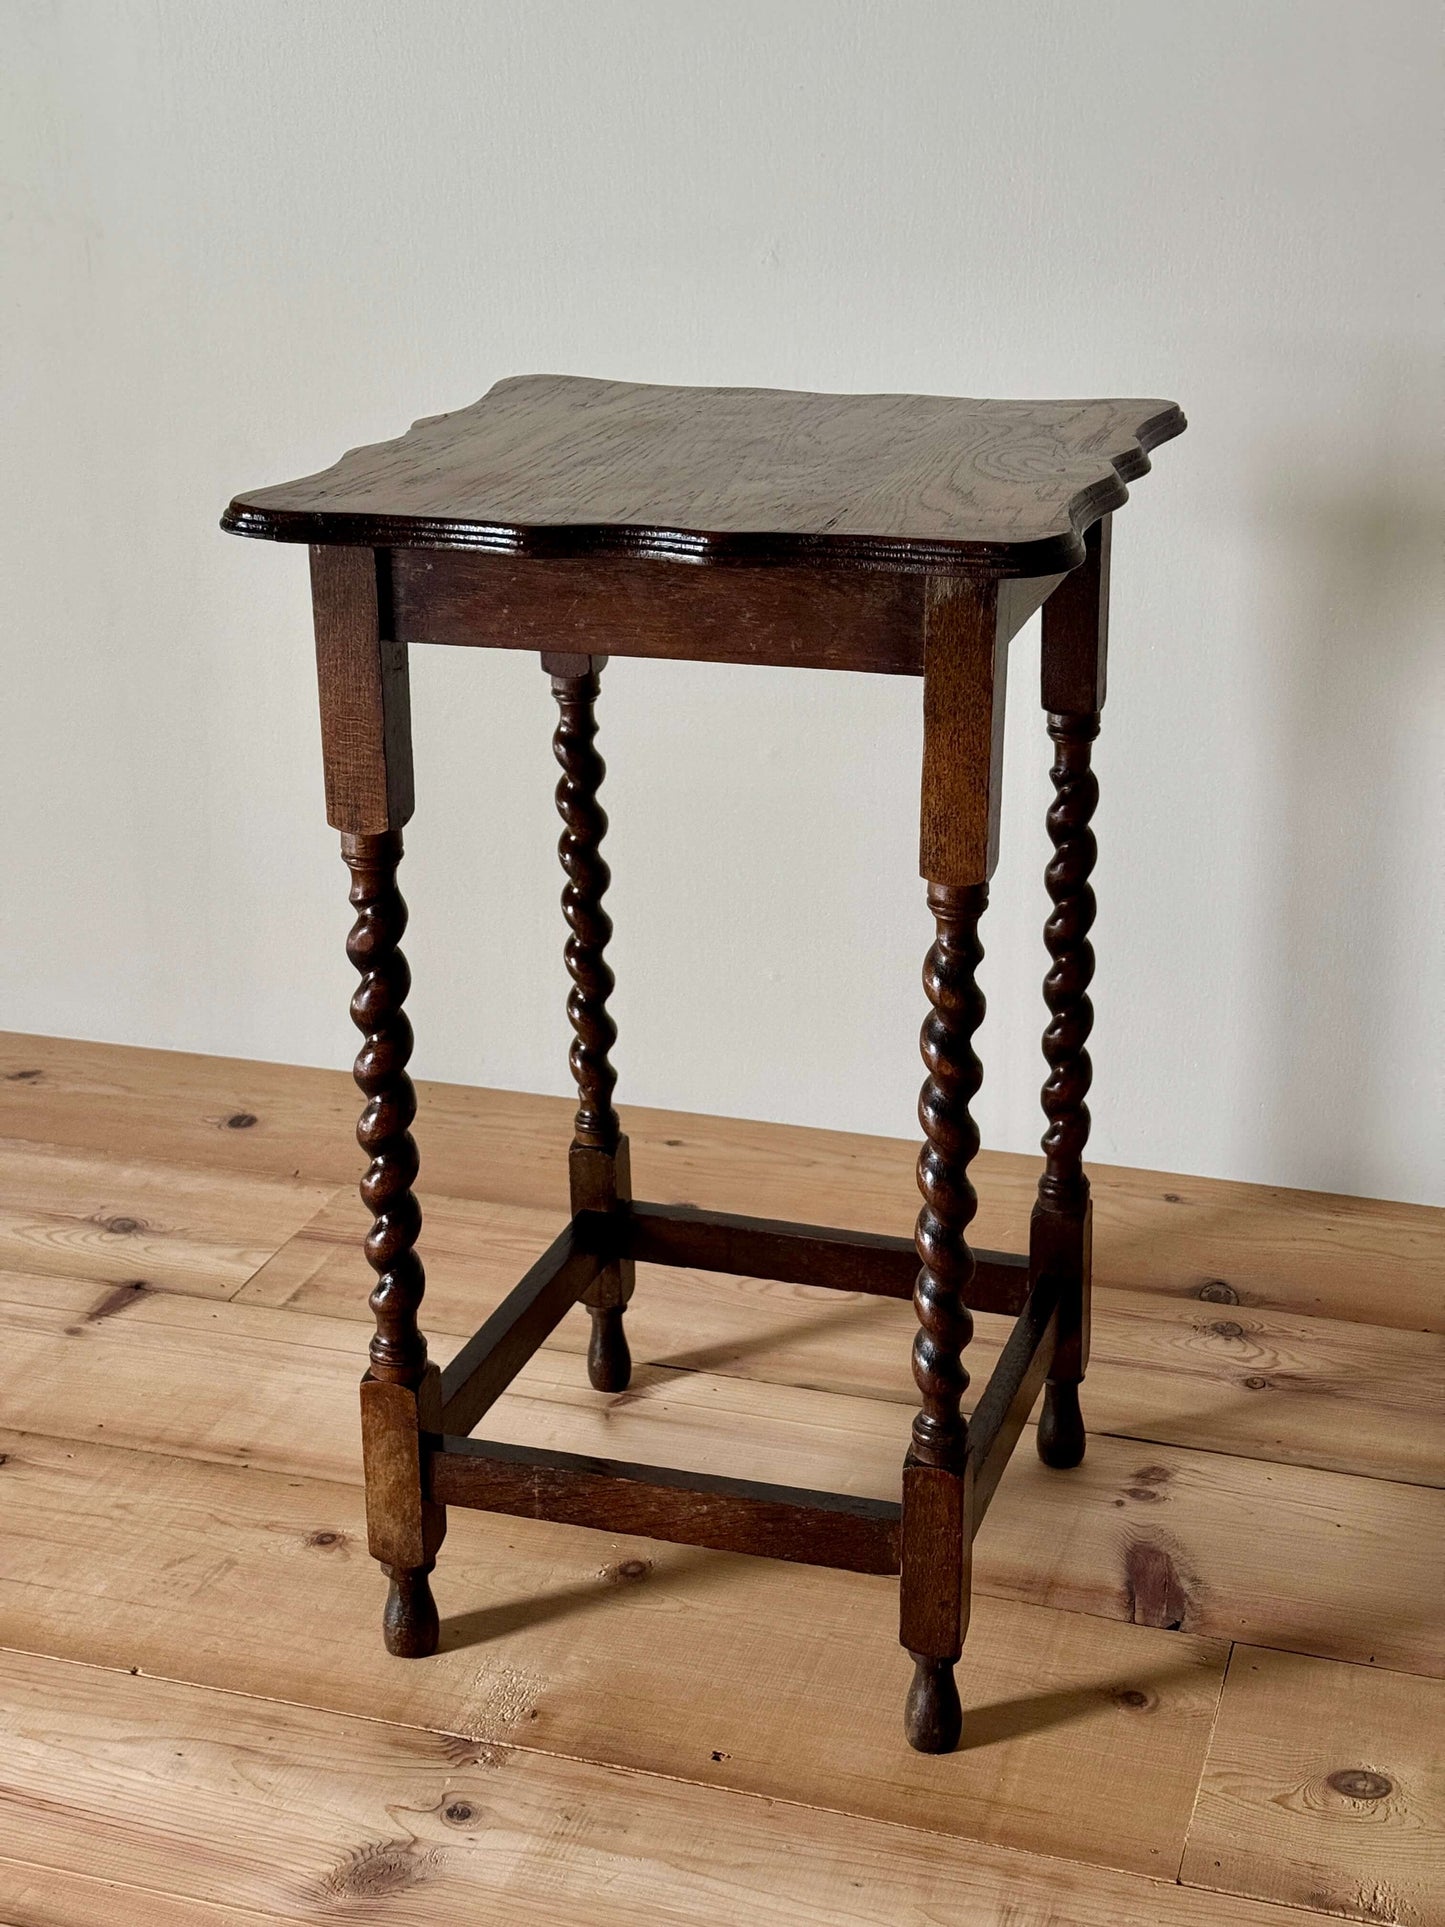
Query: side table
x=903, y=534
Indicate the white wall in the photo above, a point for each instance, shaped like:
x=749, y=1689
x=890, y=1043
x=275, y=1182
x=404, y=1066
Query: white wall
x=241, y=238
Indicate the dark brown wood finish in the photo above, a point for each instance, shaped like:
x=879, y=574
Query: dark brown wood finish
x=950, y=976
x=1063, y=1186
x=791, y=618
x=584, y=824
x=656, y=1502
x=966, y=637
x=365, y=697
x=1075, y=648
x=556, y=465
x=1073, y=659
x=366, y=755
x=935, y=1544
x=398, y=1350
x=600, y=1172
x=404, y=1527
x=399, y=1394
x=907, y=535
x=626, y=606
x=809, y=1254
x=964, y=679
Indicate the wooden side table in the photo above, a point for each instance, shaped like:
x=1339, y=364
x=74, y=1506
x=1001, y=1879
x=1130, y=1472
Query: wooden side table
x=906, y=534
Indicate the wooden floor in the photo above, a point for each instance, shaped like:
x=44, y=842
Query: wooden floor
x=1203, y=1684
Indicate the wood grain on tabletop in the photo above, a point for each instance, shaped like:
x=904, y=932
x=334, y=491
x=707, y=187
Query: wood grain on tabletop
x=559, y=465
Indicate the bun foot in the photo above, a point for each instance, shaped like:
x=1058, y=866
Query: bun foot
x=609, y=1362
x=409, y=1623
x=932, y=1718
x=1061, y=1426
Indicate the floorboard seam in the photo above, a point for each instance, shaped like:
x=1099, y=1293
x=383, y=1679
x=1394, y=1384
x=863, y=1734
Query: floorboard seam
x=271, y=1257
x=1204, y=1768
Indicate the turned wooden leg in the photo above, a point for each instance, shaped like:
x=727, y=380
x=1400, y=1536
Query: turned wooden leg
x=937, y=1537
x=1061, y=1234
x=966, y=636
x=598, y=1164
x=366, y=753
x=400, y=1395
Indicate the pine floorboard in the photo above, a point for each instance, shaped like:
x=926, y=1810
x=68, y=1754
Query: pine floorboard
x=183, y=1793
x=1206, y=1541
x=1183, y=1656
x=1347, y=1395
x=1325, y=1788
x=1177, y=1236
x=1088, y=1736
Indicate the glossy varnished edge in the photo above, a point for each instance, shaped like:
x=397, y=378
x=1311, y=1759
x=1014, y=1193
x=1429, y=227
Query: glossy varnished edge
x=1047, y=555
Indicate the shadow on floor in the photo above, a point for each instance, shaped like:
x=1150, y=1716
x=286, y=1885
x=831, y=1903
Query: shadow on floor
x=692, y=1564
x=1046, y=1712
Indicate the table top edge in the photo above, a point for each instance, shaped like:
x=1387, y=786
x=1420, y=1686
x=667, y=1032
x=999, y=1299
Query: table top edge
x=1049, y=553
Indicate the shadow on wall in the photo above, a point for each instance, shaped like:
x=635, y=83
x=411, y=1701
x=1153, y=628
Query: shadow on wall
x=1351, y=921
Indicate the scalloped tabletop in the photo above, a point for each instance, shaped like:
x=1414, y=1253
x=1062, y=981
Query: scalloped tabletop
x=557, y=465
